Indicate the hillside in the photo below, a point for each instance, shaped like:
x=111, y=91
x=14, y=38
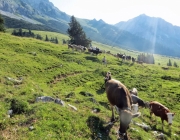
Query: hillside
x=36, y=12
x=76, y=78
x=15, y=23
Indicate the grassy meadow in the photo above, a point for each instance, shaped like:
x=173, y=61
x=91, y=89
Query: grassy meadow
x=76, y=78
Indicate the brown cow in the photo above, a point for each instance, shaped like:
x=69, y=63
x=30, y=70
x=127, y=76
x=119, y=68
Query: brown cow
x=119, y=96
x=161, y=111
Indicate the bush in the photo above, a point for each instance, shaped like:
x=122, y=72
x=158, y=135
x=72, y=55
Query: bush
x=19, y=106
x=3, y=125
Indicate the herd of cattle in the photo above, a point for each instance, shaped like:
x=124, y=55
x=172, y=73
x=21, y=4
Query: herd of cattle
x=96, y=51
x=127, y=102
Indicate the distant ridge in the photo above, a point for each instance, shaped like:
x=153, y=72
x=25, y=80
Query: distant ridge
x=154, y=29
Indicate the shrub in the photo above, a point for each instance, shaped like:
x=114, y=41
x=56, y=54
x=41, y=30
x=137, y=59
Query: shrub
x=19, y=106
x=3, y=125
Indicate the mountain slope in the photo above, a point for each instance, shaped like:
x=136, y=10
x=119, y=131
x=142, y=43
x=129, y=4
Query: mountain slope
x=140, y=36
x=36, y=12
x=154, y=30
x=114, y=36
x=33, y=8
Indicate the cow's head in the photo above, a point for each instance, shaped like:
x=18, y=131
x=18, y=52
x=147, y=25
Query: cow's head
x=170, y=117
x=146, y=104
x=134, y=108
x=125, y=118
x=108, y=74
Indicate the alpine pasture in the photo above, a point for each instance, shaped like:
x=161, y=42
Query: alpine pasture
x=76, y=78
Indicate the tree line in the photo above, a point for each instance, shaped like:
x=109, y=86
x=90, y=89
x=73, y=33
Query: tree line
x=170, y=63
x=29, y=33
x=2, y=29
x=53, y=40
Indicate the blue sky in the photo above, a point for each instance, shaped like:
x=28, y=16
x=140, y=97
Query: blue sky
x=114, y=11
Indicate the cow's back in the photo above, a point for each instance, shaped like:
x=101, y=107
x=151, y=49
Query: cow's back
x=159, y=109
x=118, y=94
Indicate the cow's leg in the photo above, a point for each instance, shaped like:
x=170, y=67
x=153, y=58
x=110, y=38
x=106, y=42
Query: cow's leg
x=151, y=113
x=155, y=119
x=162, y=124
x=169, y=128
x=142, y=112
x=126, y=137
x=112, y=118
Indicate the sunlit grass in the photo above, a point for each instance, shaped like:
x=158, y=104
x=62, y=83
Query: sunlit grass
x=55, y=71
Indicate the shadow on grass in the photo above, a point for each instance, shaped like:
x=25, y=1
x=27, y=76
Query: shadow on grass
x=92, y=58
x=98, y=130
x=154, y=128
x=105, y=104
x=71, y=52
x=153, y=124
x=101, y=90
x=124, y=63
x=143, y=117
x=120, y=63
x=131, y=64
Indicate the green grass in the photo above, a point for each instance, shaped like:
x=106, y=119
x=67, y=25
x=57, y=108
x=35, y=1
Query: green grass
x=55, y=71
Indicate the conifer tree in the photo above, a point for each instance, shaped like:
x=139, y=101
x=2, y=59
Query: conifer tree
x=20, y=32
x=2, y=29
x=56, y=41
x=46, y=38
x=175, y=64
x=169, y=64
x=76, y=33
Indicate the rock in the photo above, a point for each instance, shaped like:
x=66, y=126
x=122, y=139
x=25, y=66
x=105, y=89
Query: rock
x=161, y=135
x=31, y=128
x=73, y=107
x=92, y=100
x=59, y=101
x=96, y=110
x=15, y=81
x=45, y=99
x=144, y=126
x=10, y=112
